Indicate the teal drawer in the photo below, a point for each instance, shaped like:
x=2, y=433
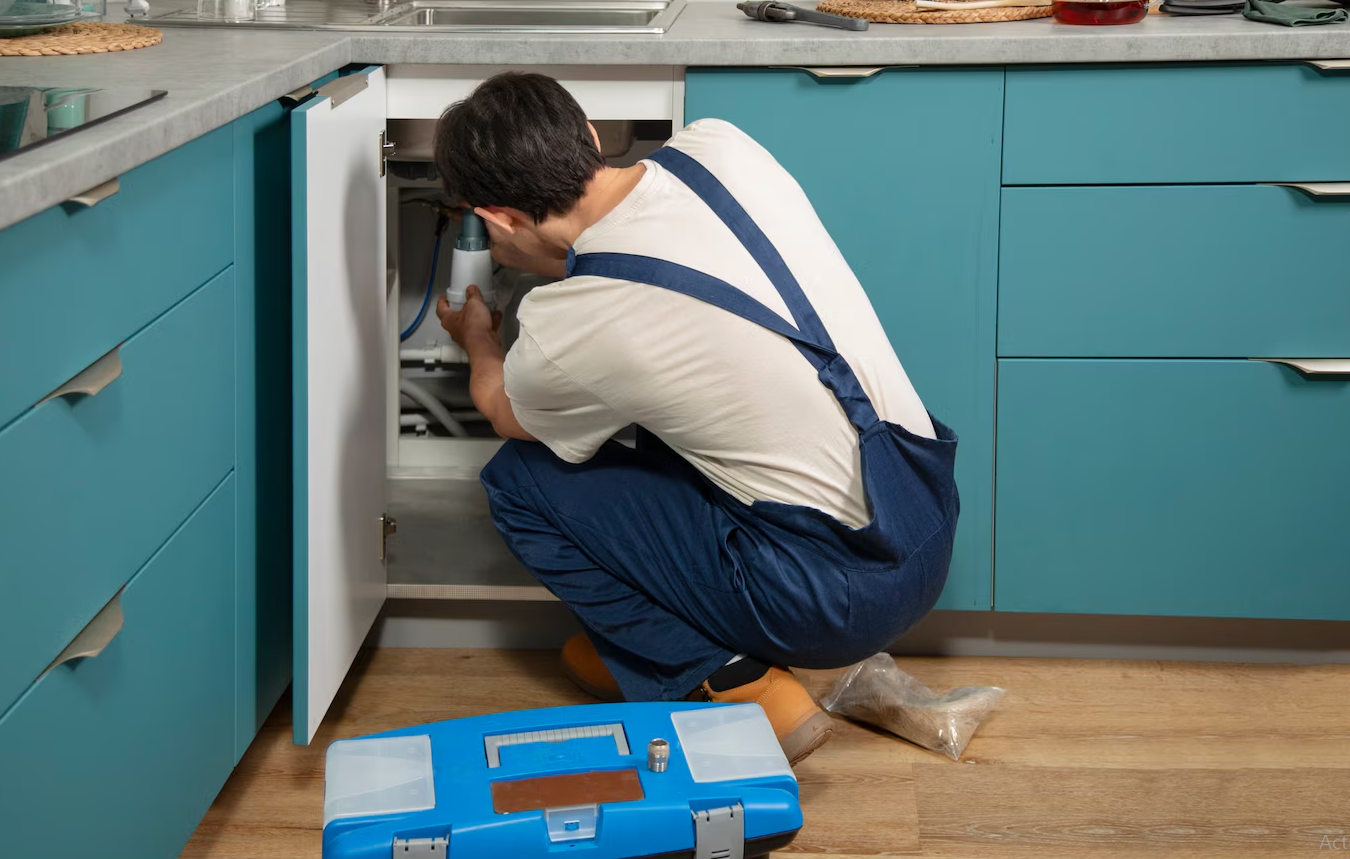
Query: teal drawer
x=92, y=485
x=1215, y=488
x=75, y=283
x=118, y=756
x=1175, y=124
x=1218, y=271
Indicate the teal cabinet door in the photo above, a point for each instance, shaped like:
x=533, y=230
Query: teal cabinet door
x=262, y=248
x=1215, y=488
x=1180, y=271
x=120, y=755
x=903, y=169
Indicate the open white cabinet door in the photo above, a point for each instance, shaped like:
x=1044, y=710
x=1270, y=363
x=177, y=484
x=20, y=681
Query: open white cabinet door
x=338, y=257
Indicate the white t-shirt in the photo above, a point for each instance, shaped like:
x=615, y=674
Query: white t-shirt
x=736, y=400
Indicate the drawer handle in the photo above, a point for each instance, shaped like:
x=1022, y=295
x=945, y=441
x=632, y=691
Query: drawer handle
x=97, y=194
x=296, y=96
x=834, y=72
x=93, y=378
x=1316, y=189
x=1331, y=65
x=340, y=89
x=95, y=636
x=1314, y=366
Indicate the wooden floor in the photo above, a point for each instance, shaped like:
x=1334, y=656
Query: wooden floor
x=1083, y=759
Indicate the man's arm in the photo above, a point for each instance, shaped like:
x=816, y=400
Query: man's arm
x=487, y=385
x=475, y=329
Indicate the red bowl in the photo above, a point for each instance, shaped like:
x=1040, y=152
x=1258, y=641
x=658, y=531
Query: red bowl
x=1100, y=12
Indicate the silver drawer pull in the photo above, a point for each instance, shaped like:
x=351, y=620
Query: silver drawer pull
x=95, y=636
x=1314, y=366
x=1316, y=189
x=97, y=194
x=340, y=89
x=828, y=72
x=1331, y=65
x=93, y=378
x=299, y=95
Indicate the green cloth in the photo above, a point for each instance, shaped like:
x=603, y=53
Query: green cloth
x=1276, y=12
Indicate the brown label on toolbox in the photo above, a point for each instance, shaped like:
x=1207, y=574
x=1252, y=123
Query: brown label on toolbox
x=556, y=791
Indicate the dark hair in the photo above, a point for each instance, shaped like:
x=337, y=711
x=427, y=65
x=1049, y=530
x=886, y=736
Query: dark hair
x=519, y=140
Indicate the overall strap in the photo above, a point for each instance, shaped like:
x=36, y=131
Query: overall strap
x=716, y=196
x=810, y=336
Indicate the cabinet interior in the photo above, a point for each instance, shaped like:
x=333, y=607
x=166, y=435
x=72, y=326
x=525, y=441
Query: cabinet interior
x=446, y=546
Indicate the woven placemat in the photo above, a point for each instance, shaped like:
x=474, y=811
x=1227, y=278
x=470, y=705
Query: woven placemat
x=82, y=37
x=905, y=12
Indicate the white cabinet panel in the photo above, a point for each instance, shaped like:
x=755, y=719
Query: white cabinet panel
x=338, y=200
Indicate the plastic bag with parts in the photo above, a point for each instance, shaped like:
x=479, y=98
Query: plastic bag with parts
x=878, y=693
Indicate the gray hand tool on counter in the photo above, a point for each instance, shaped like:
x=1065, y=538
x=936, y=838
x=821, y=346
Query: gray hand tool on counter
x=772, y=10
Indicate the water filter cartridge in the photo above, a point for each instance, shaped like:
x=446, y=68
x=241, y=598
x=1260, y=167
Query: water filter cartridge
x=471, y=263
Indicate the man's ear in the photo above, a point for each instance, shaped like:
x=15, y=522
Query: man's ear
x=500, y=216
x=595, y=135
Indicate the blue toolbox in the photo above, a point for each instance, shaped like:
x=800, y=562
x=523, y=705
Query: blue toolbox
x=603, y=781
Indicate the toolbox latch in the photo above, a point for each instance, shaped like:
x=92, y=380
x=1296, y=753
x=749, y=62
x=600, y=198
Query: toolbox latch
x=422, y=848
x=719, y=833
x=572, y=823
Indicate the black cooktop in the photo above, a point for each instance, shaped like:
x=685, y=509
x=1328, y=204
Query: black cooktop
x=30, y=116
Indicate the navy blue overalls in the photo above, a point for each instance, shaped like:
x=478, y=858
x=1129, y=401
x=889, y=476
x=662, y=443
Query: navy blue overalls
x=671, y=576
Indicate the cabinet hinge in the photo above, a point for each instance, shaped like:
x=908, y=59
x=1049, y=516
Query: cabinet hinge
x=422, y=848
x=387, y=148
x=388, y=527
x=719, y=833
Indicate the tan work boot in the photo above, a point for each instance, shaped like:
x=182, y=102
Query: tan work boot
x=583, y=666
x=801, y=726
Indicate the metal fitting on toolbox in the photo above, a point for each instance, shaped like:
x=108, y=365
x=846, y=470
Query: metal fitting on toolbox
x=658, y=755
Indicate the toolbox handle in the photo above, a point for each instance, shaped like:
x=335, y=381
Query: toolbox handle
x=492, y=745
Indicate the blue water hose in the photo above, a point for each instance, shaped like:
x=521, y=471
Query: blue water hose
x=431, y=282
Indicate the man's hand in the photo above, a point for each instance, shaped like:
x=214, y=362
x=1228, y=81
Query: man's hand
x=475, y=329
x=471, y=322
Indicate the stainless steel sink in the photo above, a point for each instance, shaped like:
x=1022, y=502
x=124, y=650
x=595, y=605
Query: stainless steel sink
x=535, y=16
x=455, y=16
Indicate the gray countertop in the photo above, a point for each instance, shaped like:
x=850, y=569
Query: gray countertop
x=215, y=76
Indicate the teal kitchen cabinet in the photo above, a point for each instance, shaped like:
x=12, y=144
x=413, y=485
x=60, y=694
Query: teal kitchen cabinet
x=1173, y=271
x=1175, y=124
x=1145, y=466
x=1166, y=487
x=903, y=168
x=146, y=511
